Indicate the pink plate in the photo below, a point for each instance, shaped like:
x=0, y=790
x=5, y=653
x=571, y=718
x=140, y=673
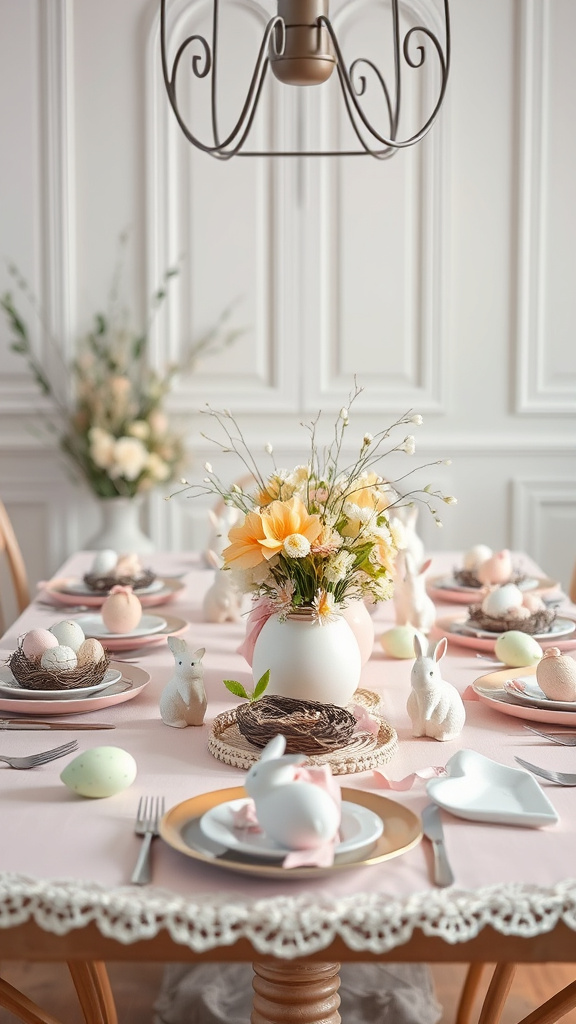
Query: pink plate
x=490, y=690
x=173, y=627
x=445, y=627
x=54, y=591
x=470, y=595
x=138, y=677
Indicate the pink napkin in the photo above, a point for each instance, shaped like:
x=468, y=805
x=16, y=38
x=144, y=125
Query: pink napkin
x=408, y=781
x=260, y=614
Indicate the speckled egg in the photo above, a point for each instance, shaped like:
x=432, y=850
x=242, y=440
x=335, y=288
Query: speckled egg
x=36, y=641
x=104, y=562
x=556, y=675
x=68, y=633
x=100, y=772
x=59, y=659
x=517, y=649
x=502, y=600
x=121, y=611
x=475, y=556
x=90, y=652
x=398, y=642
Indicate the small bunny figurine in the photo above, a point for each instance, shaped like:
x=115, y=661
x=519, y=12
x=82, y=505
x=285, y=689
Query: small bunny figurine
x=407, y=516
x=221, y=523
x=222, y=601
x=298, y=815
x=183, y=699
x=412, y=604
x=435, y=706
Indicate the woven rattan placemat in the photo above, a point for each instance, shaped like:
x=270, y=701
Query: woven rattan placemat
x=363, y=751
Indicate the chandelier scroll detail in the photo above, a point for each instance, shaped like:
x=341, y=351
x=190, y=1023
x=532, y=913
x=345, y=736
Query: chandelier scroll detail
x=300, y=47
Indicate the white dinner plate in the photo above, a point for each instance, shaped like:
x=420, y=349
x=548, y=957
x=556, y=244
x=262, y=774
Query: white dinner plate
x=447, y=588
x=55, y=592
x=559, y=628
x=359, y=828
x=81, y=589
x=132, y=682
x=451, y=628
x=10, y=686
x=527, y=691
x=93, y=626
x=480, y=789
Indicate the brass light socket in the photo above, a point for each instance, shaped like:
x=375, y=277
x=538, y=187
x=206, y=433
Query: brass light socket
x=308, y=58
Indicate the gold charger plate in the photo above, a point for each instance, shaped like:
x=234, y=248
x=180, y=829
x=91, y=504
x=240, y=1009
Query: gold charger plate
x=180, y=828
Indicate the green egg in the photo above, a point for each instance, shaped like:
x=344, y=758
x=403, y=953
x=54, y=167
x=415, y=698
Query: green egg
x=102, y=771
x=517, y=649
x=398, y=642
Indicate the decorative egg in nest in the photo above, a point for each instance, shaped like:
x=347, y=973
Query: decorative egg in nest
x=59, y=659
x=90, y=652
x=475, y=556
x=69, y=634
x=496, y=569
x=36, y=641
x=104, y=562
x=60, y=668
x=502, y=601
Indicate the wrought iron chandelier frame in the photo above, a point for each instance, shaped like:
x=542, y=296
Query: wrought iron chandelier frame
x=353, y=83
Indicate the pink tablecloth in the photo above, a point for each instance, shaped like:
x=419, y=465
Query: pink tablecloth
x=60, y=849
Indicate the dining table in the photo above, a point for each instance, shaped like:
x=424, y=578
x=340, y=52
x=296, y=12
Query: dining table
x=66, y=860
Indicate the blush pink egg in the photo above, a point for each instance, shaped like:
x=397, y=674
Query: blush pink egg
x=121, y=611
x=533, y=603
x=36, y=641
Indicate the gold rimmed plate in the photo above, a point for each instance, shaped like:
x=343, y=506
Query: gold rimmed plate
x=180, y=828
x=491, y=689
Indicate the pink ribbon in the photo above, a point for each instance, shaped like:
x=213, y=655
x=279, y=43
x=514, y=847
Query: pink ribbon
x=398, y=785
x=259, y=615
x=364, y=721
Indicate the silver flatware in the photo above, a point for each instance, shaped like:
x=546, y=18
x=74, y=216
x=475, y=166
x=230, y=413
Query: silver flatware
x=563, y=738
x=432, y=828
x=150, y=810
x=34, y=723
x=560, y=778
x=44, y=757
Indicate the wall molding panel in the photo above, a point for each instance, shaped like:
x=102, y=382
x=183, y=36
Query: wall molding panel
x=541, y=507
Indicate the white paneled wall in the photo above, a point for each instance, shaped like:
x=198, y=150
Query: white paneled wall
x=443, y=278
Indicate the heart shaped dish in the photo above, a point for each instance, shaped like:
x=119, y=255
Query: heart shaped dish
x=483, y=790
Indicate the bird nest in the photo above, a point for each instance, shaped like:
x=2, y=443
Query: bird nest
x=102, y=584
x=31, y=676
x=538, y=622
x=467, y=578
x=309, y=727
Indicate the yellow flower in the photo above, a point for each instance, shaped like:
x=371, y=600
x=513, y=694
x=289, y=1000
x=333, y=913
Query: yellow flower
x=245, y=551
x=282, y=519
x=367, y=492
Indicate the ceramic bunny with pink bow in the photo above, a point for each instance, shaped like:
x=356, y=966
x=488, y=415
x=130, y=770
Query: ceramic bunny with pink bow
x=435, y=706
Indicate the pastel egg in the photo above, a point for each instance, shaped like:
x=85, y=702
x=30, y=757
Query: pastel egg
x=68, y=633
x=36, y=641
x=100, y=772
x=128, y=565
x=533, y=603
x=59, y=659
x=517, y=649
x=104, y=562
x=475, y=556
x=499, y=601
x=398, y=642
x=556, y=675
x=121, y=611
x=90, y=652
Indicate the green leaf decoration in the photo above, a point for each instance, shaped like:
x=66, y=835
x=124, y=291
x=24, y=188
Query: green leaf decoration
x=236, y=688
x=261, y=685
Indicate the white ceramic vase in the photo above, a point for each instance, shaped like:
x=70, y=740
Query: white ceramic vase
x=360, y=621
x=120, y=529
x=307, y=660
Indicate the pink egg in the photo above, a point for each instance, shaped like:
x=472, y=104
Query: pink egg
x=533, y=603
x=36, y=641
x=121, y=611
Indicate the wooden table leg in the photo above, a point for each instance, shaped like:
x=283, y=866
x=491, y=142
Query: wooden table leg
x=295, y=992
x=497, y=993
x=469, y=993
x=92, y=986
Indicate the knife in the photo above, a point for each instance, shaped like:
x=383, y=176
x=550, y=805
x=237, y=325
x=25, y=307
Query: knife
x=432, y=828
x=36, y=723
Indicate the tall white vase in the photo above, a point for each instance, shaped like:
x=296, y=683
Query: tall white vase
x=308, y=661
x=121, y=530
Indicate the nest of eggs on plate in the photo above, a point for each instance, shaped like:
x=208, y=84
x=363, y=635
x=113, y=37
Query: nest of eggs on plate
x=507, y=607
x=309, y=727
x=110, y=570
x=59, y=658
x=482, y=567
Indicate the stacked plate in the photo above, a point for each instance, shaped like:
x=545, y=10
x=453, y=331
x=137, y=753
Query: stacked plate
x=152, y=629
x=447, y=588
x=462, y=631
x=121, y=683
x=515, y=692
x=73, y=591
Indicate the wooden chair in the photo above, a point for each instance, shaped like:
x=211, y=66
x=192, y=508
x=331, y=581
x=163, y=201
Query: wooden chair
x=10, y=548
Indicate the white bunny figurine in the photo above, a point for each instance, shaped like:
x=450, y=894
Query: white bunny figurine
x=222, y=601
x=297, y=815
x=220, y=524
x=183, y=699
x=435, y=706
x=413, y=606
x=407, y=515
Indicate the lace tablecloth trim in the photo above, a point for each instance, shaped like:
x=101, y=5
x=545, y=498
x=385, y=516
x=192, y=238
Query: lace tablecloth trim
x=285, y=926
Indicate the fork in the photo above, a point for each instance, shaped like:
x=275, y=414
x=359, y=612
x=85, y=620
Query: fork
x=564, y=739
x=34, y=760
x=561, y=778
x=150, y=810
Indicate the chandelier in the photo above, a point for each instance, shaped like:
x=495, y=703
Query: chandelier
x=301, y=48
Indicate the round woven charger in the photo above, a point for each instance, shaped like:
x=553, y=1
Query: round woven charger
x=362, y=751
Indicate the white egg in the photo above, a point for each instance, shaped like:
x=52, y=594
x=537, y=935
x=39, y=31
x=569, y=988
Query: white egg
x=68, y=633
x=36, y=641
x=475, y=556
x=499, y=601
x=398, y=642
x=59, y=659
x=104, y=562
x=99, y=772
x=90, y=652
x=517, y=649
